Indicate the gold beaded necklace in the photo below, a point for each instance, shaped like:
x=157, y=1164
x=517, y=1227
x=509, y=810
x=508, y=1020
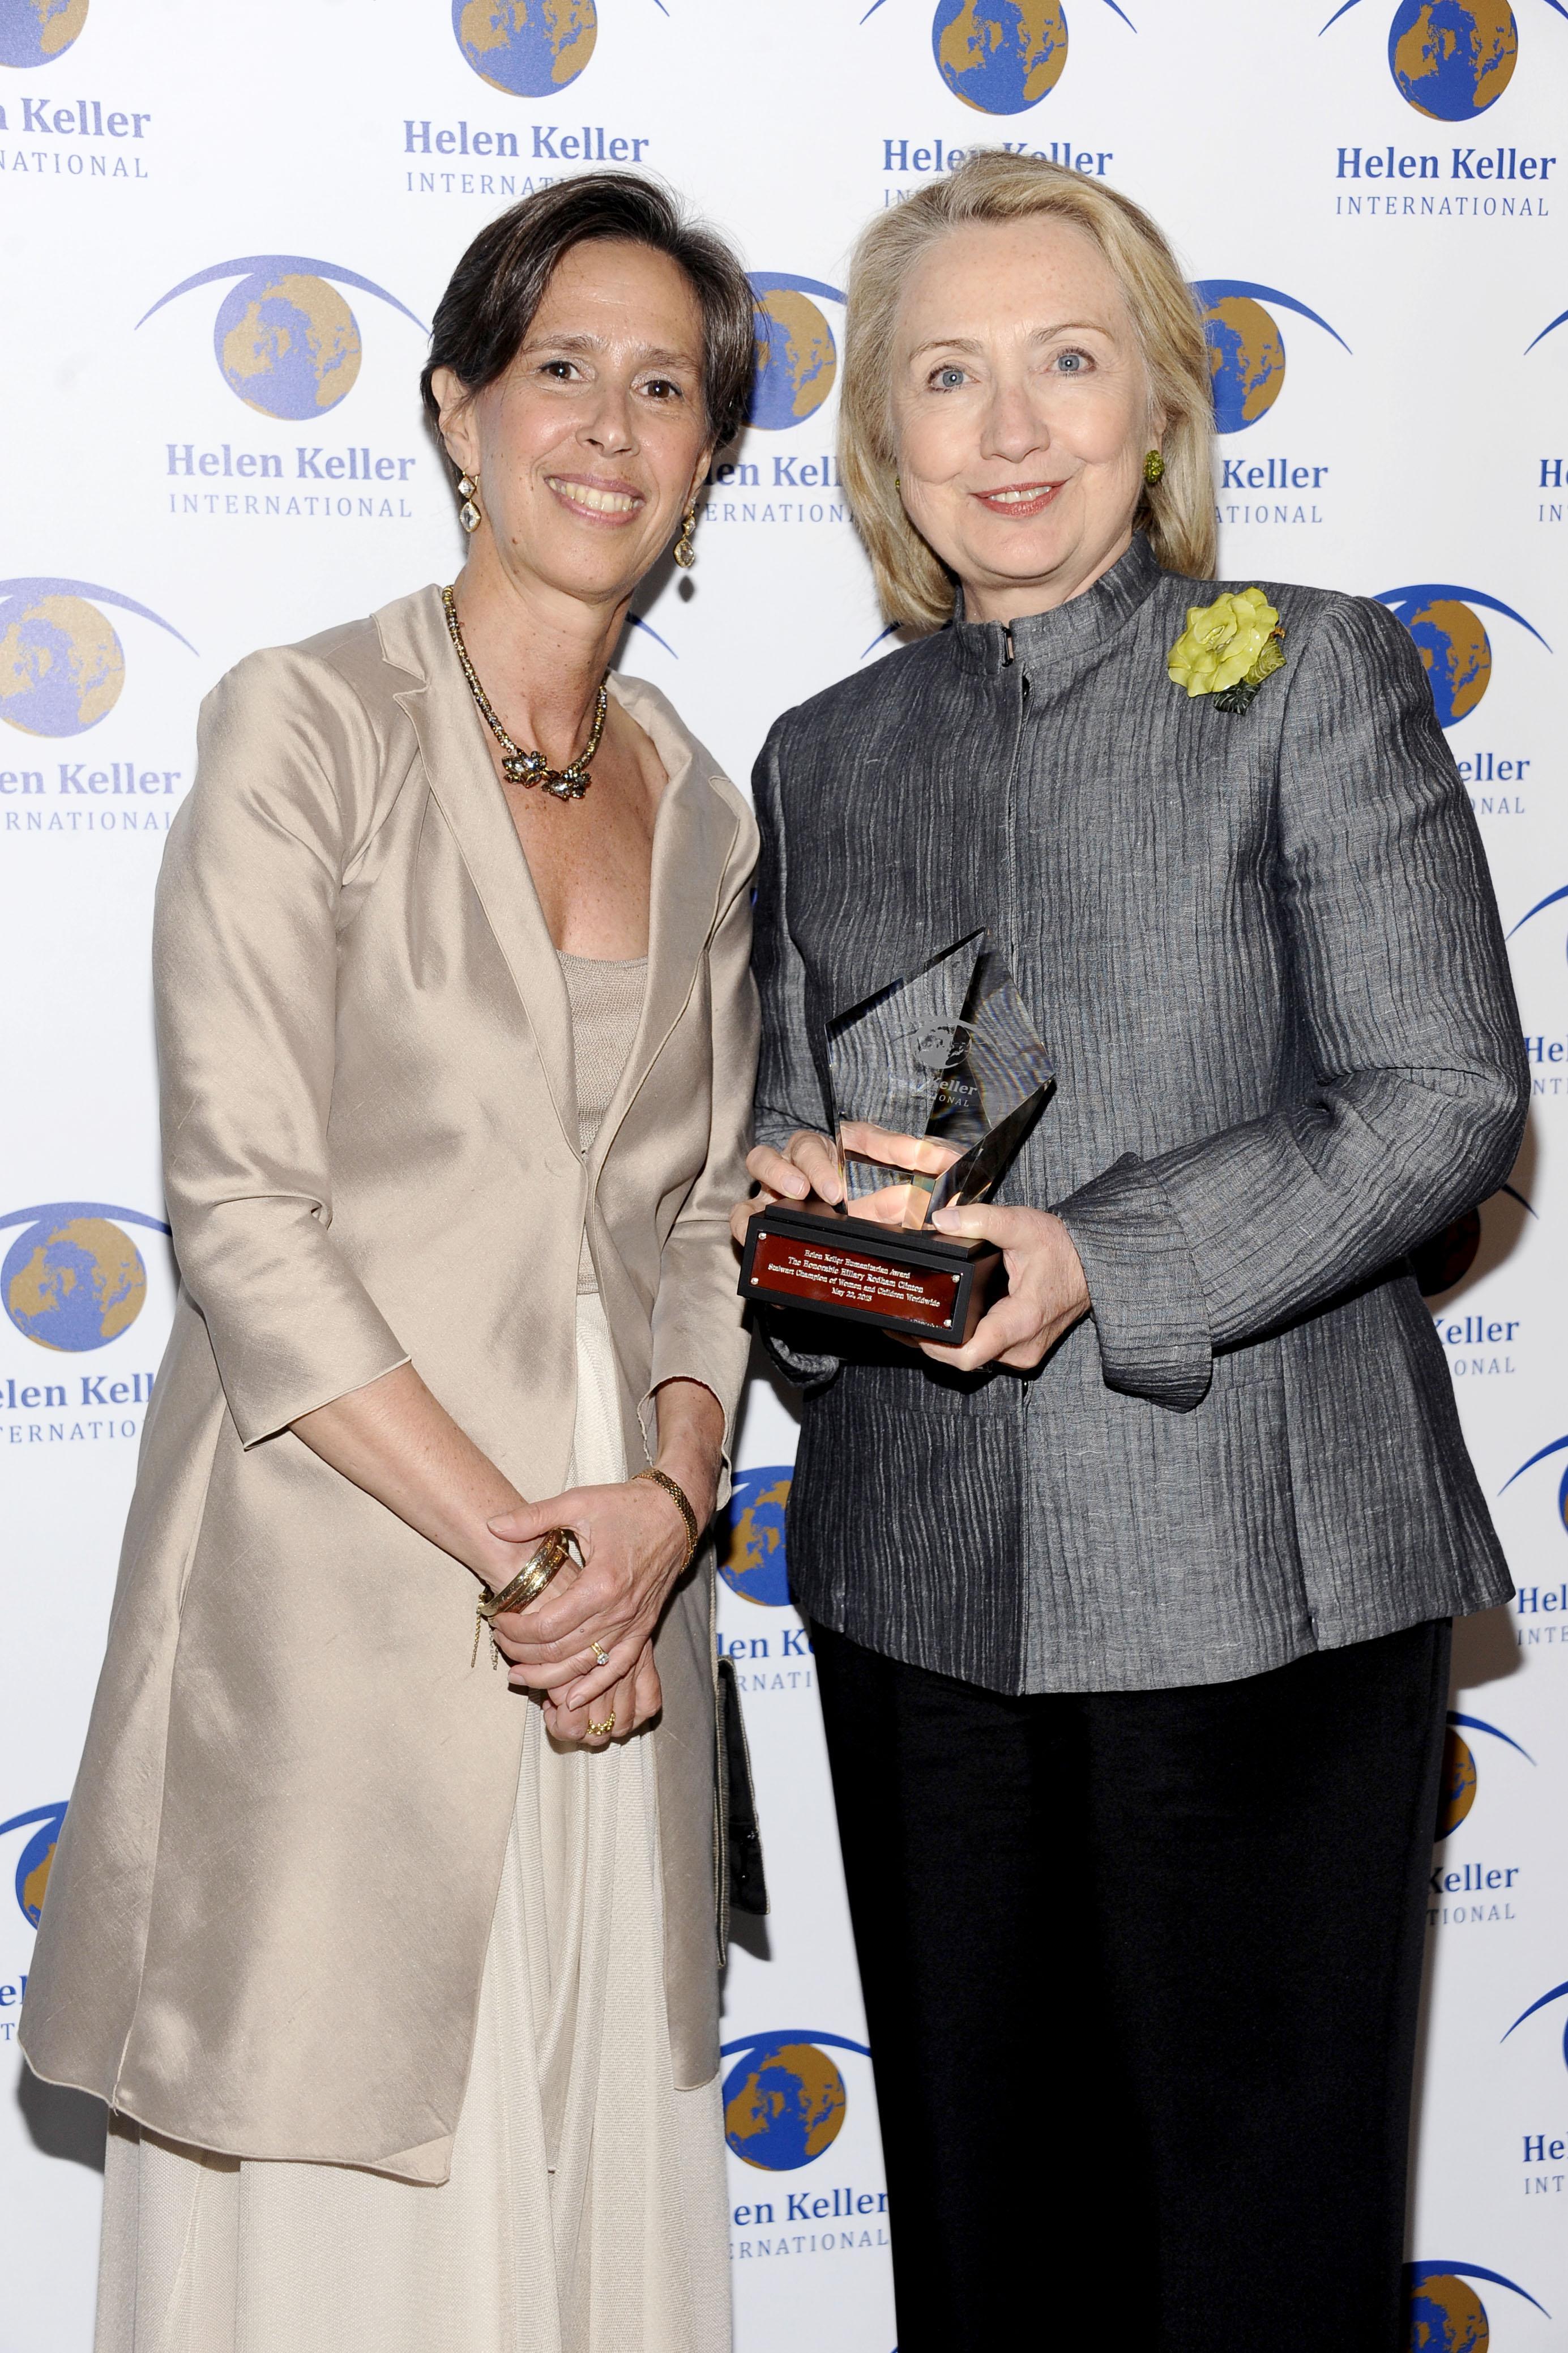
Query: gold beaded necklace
x=521, y=767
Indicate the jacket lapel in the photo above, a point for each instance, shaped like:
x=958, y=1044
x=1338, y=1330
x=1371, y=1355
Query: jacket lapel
x=693, y=835
x=463, y=786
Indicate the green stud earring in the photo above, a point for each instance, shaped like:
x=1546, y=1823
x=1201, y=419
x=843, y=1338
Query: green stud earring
x=1153, y=468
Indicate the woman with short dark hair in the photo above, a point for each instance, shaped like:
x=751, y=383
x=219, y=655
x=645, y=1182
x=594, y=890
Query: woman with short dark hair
x=399, y=1974
x=1131, y=1615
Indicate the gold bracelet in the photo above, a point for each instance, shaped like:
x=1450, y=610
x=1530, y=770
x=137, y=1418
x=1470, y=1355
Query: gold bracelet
x=677, y=1495
x=554, y=1552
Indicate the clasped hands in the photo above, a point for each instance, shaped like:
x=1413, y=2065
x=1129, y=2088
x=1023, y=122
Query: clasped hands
x=633, y=1542
x=1047, y=1293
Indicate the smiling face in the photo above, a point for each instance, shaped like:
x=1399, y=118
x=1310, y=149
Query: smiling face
x=590, y=446
x=1021, y=412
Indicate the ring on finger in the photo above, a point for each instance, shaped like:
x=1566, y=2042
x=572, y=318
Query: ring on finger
x=600, y=1654
x=603, y=1731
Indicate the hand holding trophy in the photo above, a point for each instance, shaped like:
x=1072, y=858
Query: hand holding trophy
x=936, y=1081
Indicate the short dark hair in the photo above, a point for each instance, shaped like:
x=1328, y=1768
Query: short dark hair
x=497, y=286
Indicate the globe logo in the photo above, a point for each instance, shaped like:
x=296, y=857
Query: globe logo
x=61, y=664
x=1545, y=2002
x=1551, y=900
x=1455, y=649
x=286, y=340
x=1558, y=1444
x=797, y=359
x=72, y=1280
x=1460, y=1779
x=36, y=32
x=999, y=56
x=751, y=1559
x=1247, y=351
x=1447, y=2315
x=784, y=2101
x=1452, y=58
x=37, y=1856
x=1456, y=1782
x=527, y=47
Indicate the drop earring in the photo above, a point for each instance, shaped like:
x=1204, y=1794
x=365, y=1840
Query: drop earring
x=684, y=553
x=1153, y=468
x=469, y=514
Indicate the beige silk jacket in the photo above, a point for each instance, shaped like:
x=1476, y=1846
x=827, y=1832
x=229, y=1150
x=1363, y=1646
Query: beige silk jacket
x=269, y=1912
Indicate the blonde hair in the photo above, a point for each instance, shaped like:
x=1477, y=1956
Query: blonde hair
x=1178, y=517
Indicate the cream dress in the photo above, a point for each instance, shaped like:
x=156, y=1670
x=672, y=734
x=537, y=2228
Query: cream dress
x=585, y=2209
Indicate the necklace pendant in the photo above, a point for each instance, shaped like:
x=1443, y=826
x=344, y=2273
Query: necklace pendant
x=522, y=767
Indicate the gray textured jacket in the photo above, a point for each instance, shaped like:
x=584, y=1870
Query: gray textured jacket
x=1265, y=953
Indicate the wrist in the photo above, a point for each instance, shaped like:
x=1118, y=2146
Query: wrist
x=688, y=1493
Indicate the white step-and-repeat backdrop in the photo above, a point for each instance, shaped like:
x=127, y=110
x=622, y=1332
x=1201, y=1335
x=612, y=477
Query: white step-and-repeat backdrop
x=225, y=229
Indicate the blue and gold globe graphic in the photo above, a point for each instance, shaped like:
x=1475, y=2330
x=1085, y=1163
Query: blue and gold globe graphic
x=999, y=56
x=1447, y=2315
x=61, y=664
x=1452, y=58
x=1457, y=1784
x=36, y=1859
x=783, y=2105
x=36, y=32
x=751, y=1558
x=1457, y=653
x=288, y=345
x=1246, y=360
x=527, y=47
x=74, y=1285
x=796, y=358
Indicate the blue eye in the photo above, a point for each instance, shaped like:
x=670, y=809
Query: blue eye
x=1071, y=363
x=949, y=377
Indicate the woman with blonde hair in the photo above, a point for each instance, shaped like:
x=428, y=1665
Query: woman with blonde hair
x=398, y=1973
x=1131, y=1615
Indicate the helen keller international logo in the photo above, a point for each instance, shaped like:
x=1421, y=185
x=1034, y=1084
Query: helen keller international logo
x=73, y=1279
x=796, y=362
x=1552, y=899
x=1455, y=647
x=529, y=48
x=1543, y=2002
x=1246, y=350
x=1446, y=2315
x=36, y=32
x=286, y=343
x=36, y=1859
x=1557, y=1445
x=1460, y=1780
x=784, y=2101
x=1001, y=57
x=752, y=1557
x=1451, y=60
x=61, y=662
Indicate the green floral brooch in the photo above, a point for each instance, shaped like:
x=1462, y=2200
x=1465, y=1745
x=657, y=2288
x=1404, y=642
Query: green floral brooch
x=1229, y=649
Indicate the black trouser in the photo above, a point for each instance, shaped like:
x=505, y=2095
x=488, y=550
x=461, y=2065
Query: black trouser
x=1141, y=1971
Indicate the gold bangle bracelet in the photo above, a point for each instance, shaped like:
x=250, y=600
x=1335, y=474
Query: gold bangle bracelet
x=678, y=1496
x=554, y=1552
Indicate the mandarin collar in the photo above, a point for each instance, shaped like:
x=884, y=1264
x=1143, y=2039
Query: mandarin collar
x=1071, y=628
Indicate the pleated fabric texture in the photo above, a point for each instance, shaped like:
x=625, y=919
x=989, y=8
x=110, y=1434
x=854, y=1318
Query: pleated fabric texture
x=586, y=2210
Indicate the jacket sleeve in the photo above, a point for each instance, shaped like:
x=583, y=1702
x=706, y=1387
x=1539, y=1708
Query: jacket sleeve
x=1394, y=965
x=789, y=1091
x=698, y=1334
x=245, y=980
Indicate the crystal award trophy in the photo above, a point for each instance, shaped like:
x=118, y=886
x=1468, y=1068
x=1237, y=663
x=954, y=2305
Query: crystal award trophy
x=936, y=1079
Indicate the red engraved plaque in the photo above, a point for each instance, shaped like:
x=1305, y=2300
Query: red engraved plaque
x=843, y=1277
